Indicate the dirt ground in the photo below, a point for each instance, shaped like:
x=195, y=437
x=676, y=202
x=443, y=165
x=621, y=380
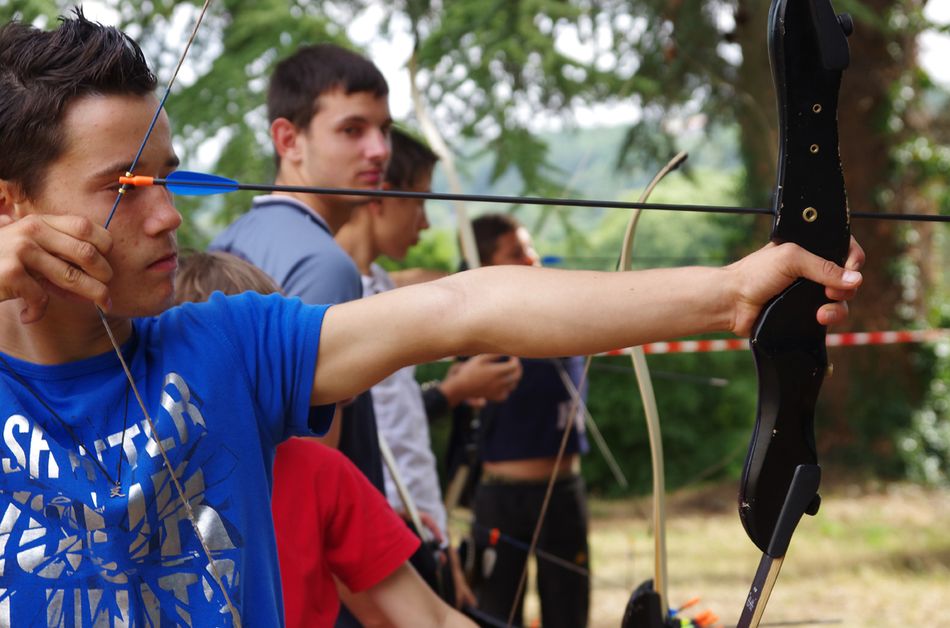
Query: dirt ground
x=876, y=555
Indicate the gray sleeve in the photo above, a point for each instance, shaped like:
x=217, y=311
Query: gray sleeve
x=298, y=254
x=322, y=279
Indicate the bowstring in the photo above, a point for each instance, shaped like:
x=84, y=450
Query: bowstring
x=212, y=566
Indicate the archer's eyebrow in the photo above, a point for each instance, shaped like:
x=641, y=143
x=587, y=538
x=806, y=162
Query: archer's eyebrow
x=357, y=119
x=121, y=168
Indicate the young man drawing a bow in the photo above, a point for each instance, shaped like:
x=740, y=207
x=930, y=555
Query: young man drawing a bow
x=110, y=516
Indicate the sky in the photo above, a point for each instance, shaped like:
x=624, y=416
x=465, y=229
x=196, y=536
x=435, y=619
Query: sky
x=935, y=47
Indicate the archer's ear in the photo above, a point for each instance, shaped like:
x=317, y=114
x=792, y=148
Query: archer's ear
x=373, y=207
x=284, y=135
x=11, y=197
x=378, y=205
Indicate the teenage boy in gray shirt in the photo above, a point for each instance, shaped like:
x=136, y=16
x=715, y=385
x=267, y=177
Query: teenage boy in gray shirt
x=330, y=123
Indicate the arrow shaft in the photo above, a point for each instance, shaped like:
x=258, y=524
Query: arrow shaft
x=230, y=186
x=447, y=196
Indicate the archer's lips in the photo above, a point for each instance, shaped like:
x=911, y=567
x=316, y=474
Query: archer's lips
x=370, y=177
x=165, y=264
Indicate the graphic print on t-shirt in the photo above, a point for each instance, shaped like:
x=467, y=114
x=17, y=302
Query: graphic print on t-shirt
x=71, y=555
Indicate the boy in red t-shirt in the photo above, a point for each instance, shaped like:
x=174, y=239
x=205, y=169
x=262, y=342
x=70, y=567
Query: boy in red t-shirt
x=330, y=522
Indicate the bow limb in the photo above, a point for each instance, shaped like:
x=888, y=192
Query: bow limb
x=649, y=400
x=645, y=384
x=179, y=490
x=808, y=51
x=469, y=250
x=441, y=148
x=404, y=496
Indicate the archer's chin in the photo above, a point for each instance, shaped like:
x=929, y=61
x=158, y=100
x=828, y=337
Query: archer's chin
x=152, y=303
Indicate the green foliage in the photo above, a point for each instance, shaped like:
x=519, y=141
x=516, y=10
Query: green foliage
x=706, y=404
x=667, y=239
x=492, y=66
x=40, y=12
x=436, y=250
x=925, y=446
x=679, y=70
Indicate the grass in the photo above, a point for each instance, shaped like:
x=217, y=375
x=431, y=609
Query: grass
x=876, y=555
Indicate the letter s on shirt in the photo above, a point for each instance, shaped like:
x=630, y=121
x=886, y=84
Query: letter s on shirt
x=19, y=423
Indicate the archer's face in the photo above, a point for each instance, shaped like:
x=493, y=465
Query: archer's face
x=347, y=142
x=515, y=247
x=102, y=135
x=398, y=221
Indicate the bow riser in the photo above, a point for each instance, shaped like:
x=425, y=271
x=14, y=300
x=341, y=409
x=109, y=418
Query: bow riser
x=810, y=205
x=808, y=51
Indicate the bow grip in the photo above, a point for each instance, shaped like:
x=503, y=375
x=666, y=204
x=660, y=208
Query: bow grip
x=791, y=360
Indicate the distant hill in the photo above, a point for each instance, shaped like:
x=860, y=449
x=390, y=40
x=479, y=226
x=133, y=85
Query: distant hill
x=588, y=159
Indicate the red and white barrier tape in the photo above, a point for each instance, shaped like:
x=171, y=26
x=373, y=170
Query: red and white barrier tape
x=852, y=339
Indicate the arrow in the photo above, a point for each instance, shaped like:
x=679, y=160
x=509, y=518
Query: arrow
x=187, y=183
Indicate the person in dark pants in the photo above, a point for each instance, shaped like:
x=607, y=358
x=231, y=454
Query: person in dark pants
x=518, y=445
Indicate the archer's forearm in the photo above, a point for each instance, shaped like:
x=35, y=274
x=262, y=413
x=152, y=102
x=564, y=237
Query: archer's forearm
x=513, y=310
x=532, y=312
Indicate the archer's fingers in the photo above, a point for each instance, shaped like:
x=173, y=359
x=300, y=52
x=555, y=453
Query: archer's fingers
x=840, y=295
x=34, y=298
x=71, y=278
x=67, y=252
x=856, y=256
x=79, y=241
x=826, y=272
x=832, y=313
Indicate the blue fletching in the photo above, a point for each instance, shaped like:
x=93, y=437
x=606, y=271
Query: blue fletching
x=199, y=184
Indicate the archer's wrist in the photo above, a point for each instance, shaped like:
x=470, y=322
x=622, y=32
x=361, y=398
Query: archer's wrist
x=436, y=402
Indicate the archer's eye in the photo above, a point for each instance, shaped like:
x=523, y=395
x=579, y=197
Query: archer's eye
x=114, y=187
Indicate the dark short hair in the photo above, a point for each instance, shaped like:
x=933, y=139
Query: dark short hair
x=300, y=79
x=488, y=228
x=410, y=159
x=42, y=72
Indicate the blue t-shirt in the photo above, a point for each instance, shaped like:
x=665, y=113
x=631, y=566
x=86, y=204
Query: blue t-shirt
x=224, y=382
